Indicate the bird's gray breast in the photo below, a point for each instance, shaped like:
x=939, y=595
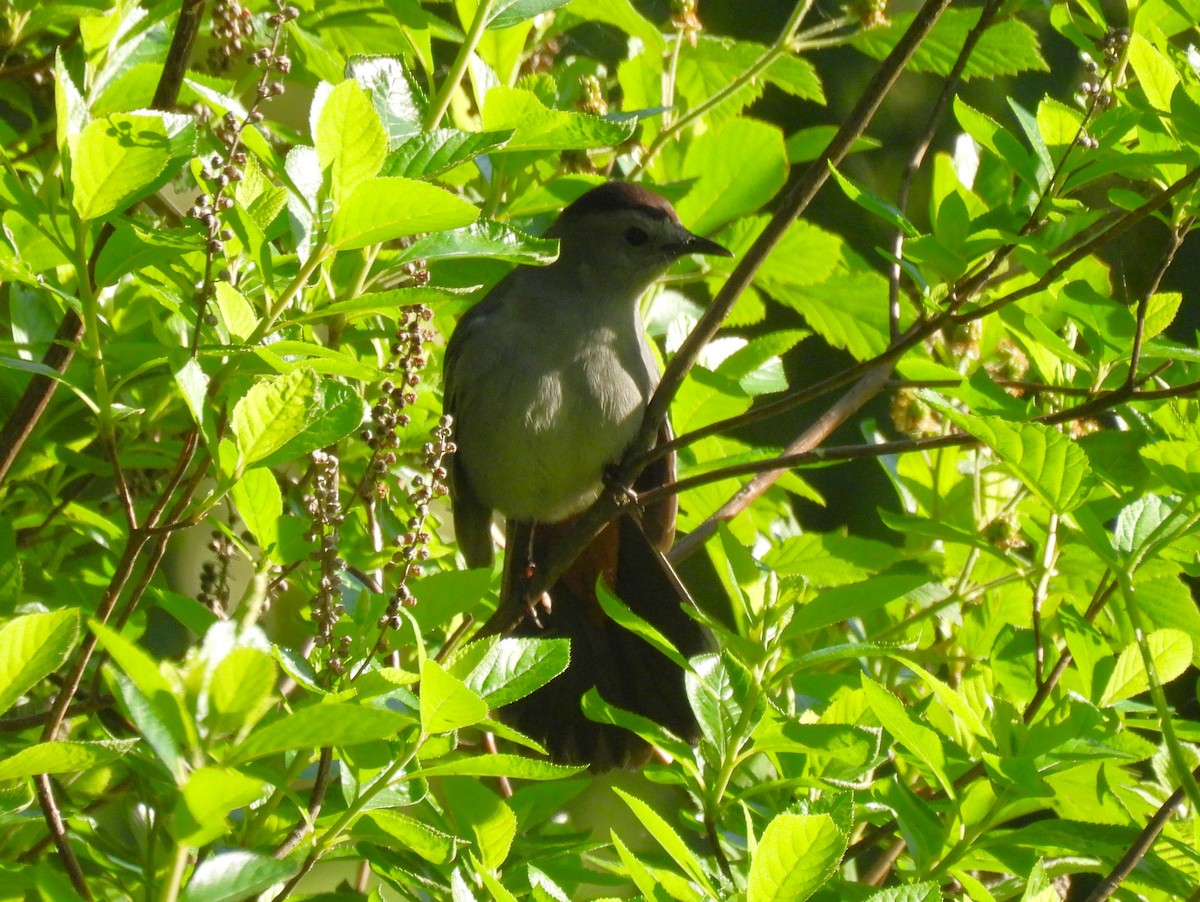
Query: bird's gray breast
x=546, y=405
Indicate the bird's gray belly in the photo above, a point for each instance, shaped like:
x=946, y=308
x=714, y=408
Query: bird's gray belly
x=549, y=439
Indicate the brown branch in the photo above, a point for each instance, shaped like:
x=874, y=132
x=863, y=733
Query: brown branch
x=949, y=89
x=1141, y=847
x=32, y=404
x=808, y=442
x=58, y=830
x=316, y=800
x=791, y=459
x=793, y=204
x=1164, y=263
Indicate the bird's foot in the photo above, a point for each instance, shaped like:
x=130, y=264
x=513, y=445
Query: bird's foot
x=621, y=492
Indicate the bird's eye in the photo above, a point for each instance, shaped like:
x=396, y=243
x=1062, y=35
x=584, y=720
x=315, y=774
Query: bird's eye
x=635, y=236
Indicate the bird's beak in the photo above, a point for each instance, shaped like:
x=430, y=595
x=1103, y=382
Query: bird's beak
x=696, y=244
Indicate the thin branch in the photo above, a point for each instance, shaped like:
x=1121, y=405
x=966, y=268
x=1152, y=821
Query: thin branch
x=1164, y=263
x=815, y=455
x=32, y=404
x=441, y=103
x=949, y=89
x=792, y=205
x=780, y=47
x=316, y=799
x=921, y=330
x=1141, y=847
x=58, y=830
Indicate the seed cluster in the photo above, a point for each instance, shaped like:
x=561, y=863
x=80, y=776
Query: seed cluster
x=214, y=574
x=414, y=543
x=1094, y=95
x=228, y=167
x=232, y=27
x=324, y=507
x=396, y=394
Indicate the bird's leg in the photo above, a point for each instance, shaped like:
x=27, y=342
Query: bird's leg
x=532, y=605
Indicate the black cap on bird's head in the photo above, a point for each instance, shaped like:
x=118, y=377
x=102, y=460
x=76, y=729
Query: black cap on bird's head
x=620, y=199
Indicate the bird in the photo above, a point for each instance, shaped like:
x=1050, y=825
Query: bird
x=546, y=383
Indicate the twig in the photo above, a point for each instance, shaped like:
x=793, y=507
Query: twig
x=58, y=830
x=25, y=416
x=789, y=460
x=949, y=89
x=316, y=799
x=441, y=102
x=1141, y=848
x=1164, y=263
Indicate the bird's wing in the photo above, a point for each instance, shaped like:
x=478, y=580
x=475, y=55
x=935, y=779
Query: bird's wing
x=472, y=518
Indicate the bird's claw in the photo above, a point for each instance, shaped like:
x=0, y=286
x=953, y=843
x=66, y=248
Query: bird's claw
x=621, y=492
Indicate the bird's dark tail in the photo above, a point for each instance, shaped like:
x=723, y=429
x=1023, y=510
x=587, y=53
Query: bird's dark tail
x=628, y=672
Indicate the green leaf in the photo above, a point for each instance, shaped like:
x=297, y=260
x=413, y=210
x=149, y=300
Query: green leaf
x=796, y=855
x=260, y=505
x=997, y=139
x=32, y=647
x=1155, y=73
x=229, y=876
x=671, y=842
x=484, y=238
x=349, y=138
x=1008, y=47
x=272, y=413
x=384, y=209
x=714, y=62
x=208, y=796
x=806, y=255
x=1177, y=464
x=123, y=157
x=873, y=203
x=513, y=667
x=239, y=688
x=536, y=127
x=70, y=107
x=400, y=103
x=845, y=310
x=1171, y=652
x=381, y=303
x=428, y=154
x=623, y=15
x=628, y=620
x=726, y=700
x=1138, y=521
x=596, y=708
x=237, y=316
x=490, y=820
x=649, y=884
x=417, y=836
x=918, y=739
x=192, y=382
x=63, y=757
x=324, y=725
x=857, y=599
x=507, y=13
x=338, y=411
x=807, y=144
x=156, y=704
x=1050, y=464
x=830, y=559
x=515, y=766
x=737, y=169
x=446, y=702
x=914, y=892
